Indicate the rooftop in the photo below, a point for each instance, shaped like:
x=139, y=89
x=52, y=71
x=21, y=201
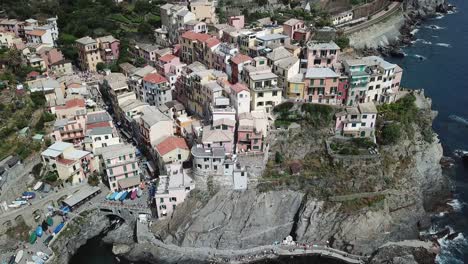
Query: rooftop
x=155, y=78
x=115, y=151
x=96, y=117
x=270, y=37
x=152, y=115
x=86, y=40
x=367, y=108
x=215, y=135
x=169, y=144
x=278, y=54
x=100, y=131
x=129, y=182
x=240, y=58
x=314, y=73
x=108, y=38
x=323, y=46
x=292, y=22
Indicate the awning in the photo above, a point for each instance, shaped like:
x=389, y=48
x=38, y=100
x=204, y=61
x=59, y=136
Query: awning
x=129, y=182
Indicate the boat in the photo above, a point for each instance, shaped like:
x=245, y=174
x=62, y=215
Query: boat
x=50, y=221
x=39, y=231
x=32, y=238
x=139, y=192
x=38, y=186
x=124, y=195
x=117, y=197
x=113, y=196
x=28, y=195
x=19, y=256
x=42, y=255
x=109, y=196
x=14, y=205
x=58, y=228
x=37, y=260
x=20, y=202
x=12, y=259
x=133, y=195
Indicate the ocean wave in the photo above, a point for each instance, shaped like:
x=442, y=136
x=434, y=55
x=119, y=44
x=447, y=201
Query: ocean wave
x=443, y=45
x=420, y=57
x=439, y=16
x=434, y=27
x=449, y=249
x=456, y=205
x=414, y=31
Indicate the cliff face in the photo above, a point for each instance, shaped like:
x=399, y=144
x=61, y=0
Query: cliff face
x=426, y=7
x=406, y=179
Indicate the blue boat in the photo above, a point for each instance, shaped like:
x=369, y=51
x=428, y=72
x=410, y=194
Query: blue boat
x=124, y=195
x=39, y=231
x=58, y=228
x=65, y=209
x=117, y=197
x=112, y=197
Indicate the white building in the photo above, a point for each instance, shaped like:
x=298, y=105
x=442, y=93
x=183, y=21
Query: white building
x=357, y=121
x=156, y=89
x=240, y=97
x=172, y=189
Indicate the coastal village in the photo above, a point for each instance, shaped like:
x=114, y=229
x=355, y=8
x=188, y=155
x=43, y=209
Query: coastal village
x=198, y=114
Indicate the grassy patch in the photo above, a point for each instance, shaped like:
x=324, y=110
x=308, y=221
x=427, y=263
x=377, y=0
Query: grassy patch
x=354, y=205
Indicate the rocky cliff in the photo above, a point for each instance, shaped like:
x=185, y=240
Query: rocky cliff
x=394, y=196
x=426, y=7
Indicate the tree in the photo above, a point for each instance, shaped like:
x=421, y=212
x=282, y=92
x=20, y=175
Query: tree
x=38, y=99
x=140, y=62
x=342, y=42
x=100, y=66
x=145, y=29
x=93, y=179
x=391, y=133
x=36, y=170
x=278, y=158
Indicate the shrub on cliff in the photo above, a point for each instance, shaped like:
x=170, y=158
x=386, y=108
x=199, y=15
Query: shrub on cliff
x=391, y=133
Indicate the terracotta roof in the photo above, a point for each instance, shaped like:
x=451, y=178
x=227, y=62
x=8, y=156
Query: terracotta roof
x=239, y=87
x=77, y=102
x=211, y=42
x=195, y=36
x=36, y=32
x=33, y=74
x=169, y=144
x=240, y=58
x=154, y=78
x=98, y=124
x=167, y=58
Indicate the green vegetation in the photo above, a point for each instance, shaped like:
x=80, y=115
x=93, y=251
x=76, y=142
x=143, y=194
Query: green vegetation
x=20, y=231
x=375, y=202
x=51, y=177
x=93, y=179
x=36, y=170
x=400, y=117
x=318, y=115
x=342, y=42
x=315, y=115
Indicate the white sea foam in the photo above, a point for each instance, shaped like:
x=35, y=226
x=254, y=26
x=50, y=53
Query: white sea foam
x=421, y=57
x=458, y=244
x=439, y=16
x=456, y=205
x=444, y=45
x=434, y=27
x=414, y=31
x=425, y=42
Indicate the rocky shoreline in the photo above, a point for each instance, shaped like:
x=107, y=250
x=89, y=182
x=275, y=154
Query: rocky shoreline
x=415, y=14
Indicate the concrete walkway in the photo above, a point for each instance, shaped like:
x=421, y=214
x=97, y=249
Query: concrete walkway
x=376, y=18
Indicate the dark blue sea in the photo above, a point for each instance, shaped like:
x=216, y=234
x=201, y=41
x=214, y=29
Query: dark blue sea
x=438, y=63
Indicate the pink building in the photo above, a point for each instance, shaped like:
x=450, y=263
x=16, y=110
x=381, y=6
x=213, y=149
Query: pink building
x=164, y=63
x=224, y=124
x=109, y=48
x=218, y=138
x=70, y=130
x=342, y=90
x=321, y=86
x=121, y=166
x=172, y=189
x=295, y=29
x=50, y=56
x=249, y=134
x=237, y=21
x=237, y=66
x=70, y=109
x=322, y=54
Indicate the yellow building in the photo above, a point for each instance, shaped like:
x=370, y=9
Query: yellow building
x=296, y=87
x=88, y=53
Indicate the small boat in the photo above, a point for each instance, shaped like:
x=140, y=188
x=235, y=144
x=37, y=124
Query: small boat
x=112, y=197
x=58, y=228
x=109, y=196
x=39, y=231
x=28, y=195
x=38, y=186
x=20, y=202
x=139, y=192
x=32, y=238
x=14, y=205
x=19, y=256
x=133, y=195
x=12, y=259
x=42, y=255
x=117, y=197
x=50, y=221
x=37, y=260
x=123, y=196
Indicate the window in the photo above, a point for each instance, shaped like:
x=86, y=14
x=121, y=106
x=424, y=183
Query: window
x=125, y=168
x=179, y=156
x=353, y=125
x=161, y=200
x=275, y=93
x=108, y=161
x=207, y=167
x=372, y=79
x=363, y=124
x=126, y=175
x=377, y=86
x=371, y=88
x=260, y=94
x=133, y=166
x=364, y=116
x=353, y=116
x=226, y=166
x=379, y=78
x=110, y=171
x=106, y=137
x=131, y=156
x=322, y=81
